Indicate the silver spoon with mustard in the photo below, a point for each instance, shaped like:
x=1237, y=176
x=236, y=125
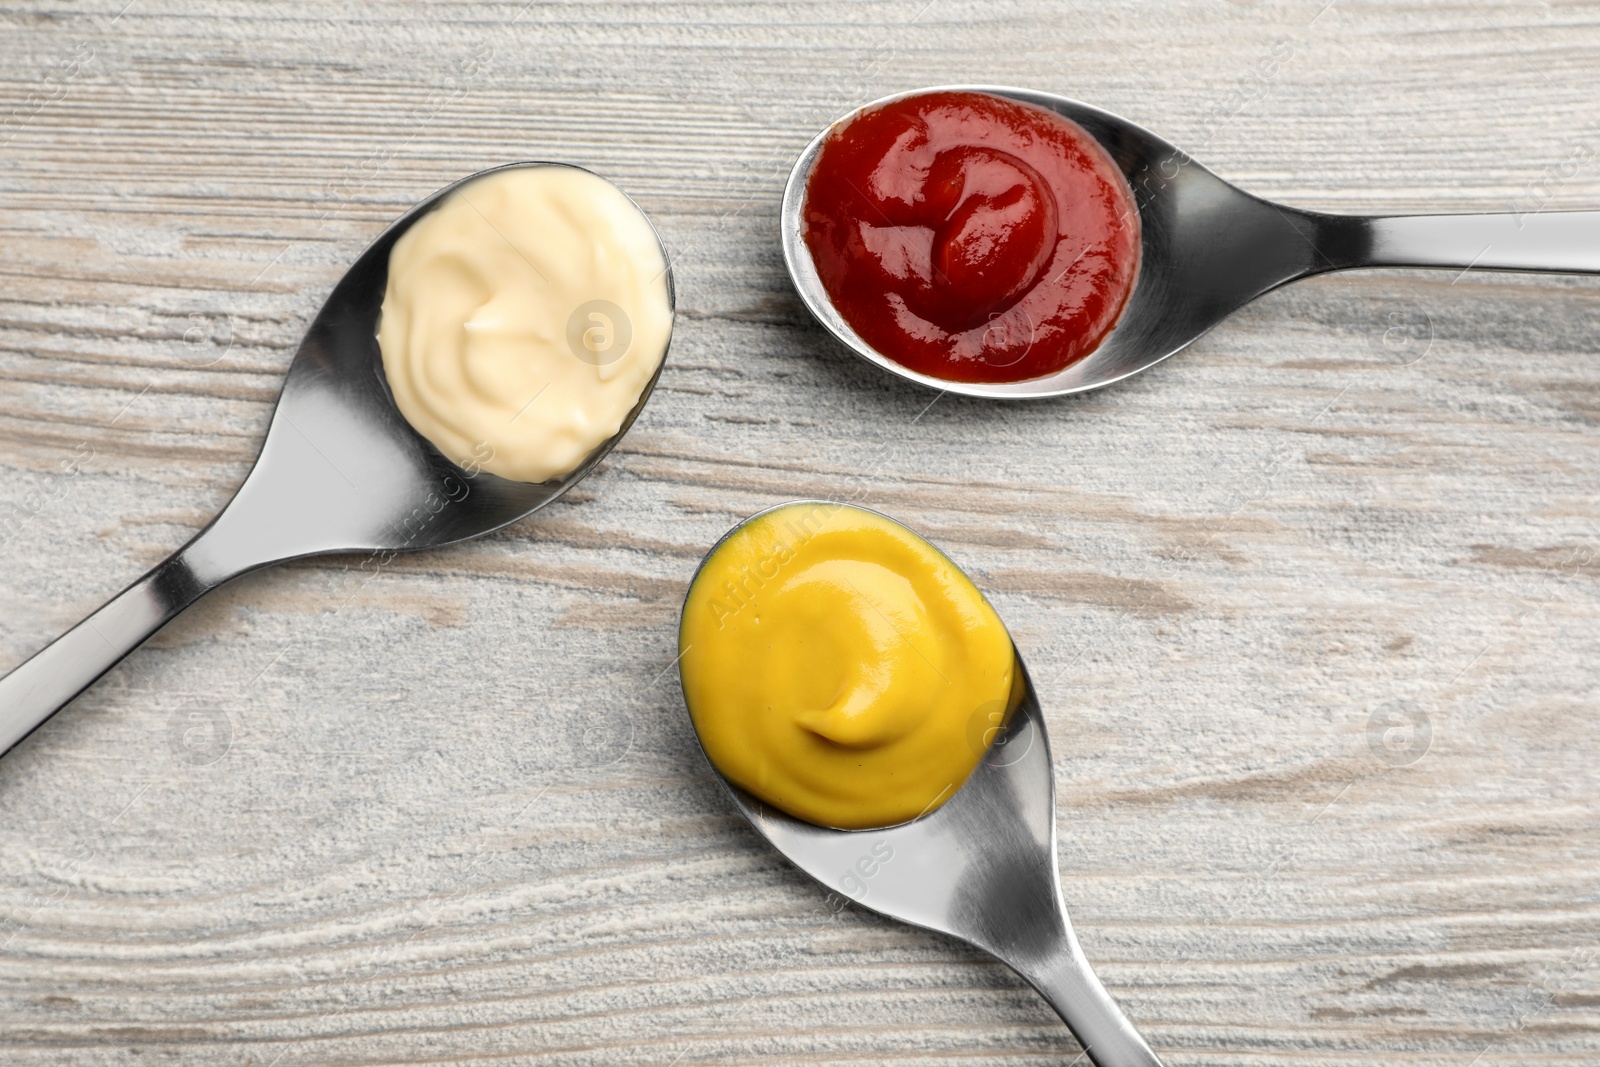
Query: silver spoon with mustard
x=1011, y=243
x=870, y=716
x=346, y=466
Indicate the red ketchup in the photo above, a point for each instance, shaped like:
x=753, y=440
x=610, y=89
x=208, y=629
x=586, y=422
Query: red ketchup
x=972, y=238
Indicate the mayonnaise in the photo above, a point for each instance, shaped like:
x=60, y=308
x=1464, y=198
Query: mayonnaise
x=523, y=318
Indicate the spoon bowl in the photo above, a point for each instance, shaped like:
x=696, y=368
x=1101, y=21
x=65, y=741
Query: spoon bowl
x=980, y=868
x=341, y=470
x=1207, y=249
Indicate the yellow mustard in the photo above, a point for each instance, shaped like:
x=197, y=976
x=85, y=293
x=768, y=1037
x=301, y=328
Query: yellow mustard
x=840, y=668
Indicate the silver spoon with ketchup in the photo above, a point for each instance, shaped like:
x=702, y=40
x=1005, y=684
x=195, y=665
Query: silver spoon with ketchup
x=1205, y=249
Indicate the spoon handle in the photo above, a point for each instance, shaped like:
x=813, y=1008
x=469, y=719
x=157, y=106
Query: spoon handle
x=1074, y=991
x=71, y=663
x=1566, y=242
x=238, y=540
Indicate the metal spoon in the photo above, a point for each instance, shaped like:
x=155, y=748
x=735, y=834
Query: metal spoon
x=981, y=868
x=1210, y=248
x=341, y=470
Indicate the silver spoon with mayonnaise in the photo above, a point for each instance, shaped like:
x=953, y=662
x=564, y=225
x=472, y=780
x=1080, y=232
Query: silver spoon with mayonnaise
x=526, y=314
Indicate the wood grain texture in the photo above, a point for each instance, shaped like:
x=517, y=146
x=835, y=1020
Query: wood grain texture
x=452, y=813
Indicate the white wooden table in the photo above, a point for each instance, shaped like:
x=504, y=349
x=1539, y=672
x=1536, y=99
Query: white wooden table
x=1313, y=606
